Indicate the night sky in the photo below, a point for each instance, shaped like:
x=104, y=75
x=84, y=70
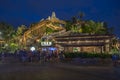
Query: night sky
x=18, y=12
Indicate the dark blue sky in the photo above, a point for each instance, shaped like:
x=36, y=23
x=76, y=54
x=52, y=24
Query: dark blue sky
x=17, y=12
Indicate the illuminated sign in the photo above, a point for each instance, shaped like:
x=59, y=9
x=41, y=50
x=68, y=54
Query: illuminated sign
x=46, y=43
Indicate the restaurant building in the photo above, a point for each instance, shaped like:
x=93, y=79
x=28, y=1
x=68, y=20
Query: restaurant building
x=73, y=42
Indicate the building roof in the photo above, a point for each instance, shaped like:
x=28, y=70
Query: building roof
x=86, y=35
x=83, y=44
x=82, y=39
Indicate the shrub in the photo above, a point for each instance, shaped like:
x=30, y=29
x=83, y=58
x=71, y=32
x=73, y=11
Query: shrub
x=87, y=55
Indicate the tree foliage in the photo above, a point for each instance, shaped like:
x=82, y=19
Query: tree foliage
x=68, y=25
x=20, y=30
x=7, y=30
x=93, y=27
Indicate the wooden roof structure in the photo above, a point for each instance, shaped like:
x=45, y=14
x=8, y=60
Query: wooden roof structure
x=83, y=40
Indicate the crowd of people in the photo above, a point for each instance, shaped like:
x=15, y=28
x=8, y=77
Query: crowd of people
x=24, y=55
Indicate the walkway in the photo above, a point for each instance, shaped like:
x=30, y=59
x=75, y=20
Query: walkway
x=57, y=71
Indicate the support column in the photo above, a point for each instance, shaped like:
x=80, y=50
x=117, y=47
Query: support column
x=102, y=49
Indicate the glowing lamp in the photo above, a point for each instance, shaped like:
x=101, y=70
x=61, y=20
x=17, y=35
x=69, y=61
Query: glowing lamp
x=32, y=48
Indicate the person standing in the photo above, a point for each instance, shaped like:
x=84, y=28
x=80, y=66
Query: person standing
x=3, y=57
x=115, y=58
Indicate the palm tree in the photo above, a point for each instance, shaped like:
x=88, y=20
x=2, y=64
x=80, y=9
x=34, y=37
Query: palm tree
x=7, y=34
x=7, y=31
x=88, y=27
x=74, y=20
x=68, y=25
x=21, y=29
x=93, y=27
x=19, y=33
x=81, y=15
x=98, y=28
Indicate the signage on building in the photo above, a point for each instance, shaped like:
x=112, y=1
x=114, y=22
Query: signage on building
x=46, y=43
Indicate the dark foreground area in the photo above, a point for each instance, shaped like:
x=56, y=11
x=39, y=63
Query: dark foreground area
x=57, y=71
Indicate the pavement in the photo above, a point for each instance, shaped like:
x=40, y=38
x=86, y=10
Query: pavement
x=57, y=71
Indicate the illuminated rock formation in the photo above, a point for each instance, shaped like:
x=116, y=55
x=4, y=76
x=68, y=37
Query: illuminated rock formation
x=38, y=30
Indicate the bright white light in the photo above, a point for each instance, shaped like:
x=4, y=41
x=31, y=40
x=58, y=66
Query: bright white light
x=32, y=48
